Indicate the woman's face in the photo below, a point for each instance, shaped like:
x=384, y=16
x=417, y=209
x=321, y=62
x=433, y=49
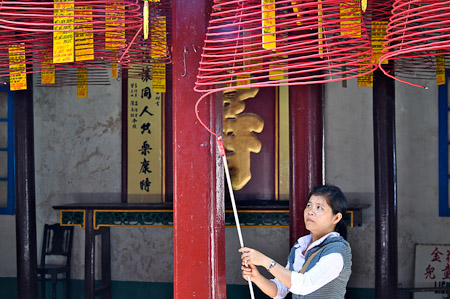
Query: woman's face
x=319, y=218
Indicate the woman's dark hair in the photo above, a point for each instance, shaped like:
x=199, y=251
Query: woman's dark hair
x=337, y=201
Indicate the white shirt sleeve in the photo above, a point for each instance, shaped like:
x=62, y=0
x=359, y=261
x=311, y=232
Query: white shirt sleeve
x=327, y=268
x=282, y=289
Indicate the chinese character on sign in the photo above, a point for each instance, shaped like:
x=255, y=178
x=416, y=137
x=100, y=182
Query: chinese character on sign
x=446, y=272
x=145, y=149
x=145, y=110
x=146, y=93
x=430, y=272
x=436, y=255
x=145, y=167
x=448, y=256
x=145, y=127
x=133, y=90
x=146, y=74
x=145, y=184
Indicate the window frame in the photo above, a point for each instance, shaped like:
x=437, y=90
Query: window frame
x=10, y=206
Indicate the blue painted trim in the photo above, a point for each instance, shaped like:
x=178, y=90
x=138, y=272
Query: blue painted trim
x=444, y=210
x=11, y=204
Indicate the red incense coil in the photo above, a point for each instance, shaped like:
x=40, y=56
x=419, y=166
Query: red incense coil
x=312, y=44
x=419, y=30
x=98, y=28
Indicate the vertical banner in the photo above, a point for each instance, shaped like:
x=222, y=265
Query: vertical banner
x=268, y=23
x=377, y=39
x=17, y=67
x=84, y=37
x=82, y=82
x=440, y=69
x=115, y=17
x=159, y=50
x=63, y=49
x=351, y=18
x=283, y=143
x=47, y=69
x=145, y=135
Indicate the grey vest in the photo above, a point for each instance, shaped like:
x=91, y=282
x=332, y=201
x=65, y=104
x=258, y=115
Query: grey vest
x=335, y=289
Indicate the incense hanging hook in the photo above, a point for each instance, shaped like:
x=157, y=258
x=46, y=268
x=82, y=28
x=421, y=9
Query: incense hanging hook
x=184, y=61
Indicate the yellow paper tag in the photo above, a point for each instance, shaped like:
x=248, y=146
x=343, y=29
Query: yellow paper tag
x=275, y=74
x=297, y=10
x=351, y=18
x=84, y=40
x=440, y=69
x=158, y=38
x=320, y=30
x=159, y=77
x=47, y=69
x=367, y=79
x=364, y=5
x=145, y=13
x=82, y=82
x=17, y=67
x=268, y=22
x=63, y=41
x=115, y=17
x=377, y=39
x=244, y=82
x=114, y=73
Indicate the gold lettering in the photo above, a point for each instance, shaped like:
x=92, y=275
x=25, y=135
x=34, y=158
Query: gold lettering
x=239, y=139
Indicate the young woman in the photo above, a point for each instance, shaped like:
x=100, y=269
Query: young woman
x=319, y=264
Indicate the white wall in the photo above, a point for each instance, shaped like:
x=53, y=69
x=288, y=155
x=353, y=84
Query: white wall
x=349, y=165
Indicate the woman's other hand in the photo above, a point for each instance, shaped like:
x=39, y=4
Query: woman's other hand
x=250, y=271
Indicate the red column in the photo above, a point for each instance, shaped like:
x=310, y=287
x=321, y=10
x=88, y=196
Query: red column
x=306, y=131
x=199, y=232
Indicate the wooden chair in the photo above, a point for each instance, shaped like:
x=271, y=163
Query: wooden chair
x=57, y=242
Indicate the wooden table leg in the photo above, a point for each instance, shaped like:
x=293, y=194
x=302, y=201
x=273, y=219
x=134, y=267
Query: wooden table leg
x=89, y=256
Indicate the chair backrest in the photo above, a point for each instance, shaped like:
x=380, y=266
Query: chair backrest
x=57, y=241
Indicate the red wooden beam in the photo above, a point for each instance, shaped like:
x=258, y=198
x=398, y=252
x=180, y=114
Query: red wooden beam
x=306, y=131
x=199, y=231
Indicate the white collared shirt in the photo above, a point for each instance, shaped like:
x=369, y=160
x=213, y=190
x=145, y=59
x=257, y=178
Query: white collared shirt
x=326, y=269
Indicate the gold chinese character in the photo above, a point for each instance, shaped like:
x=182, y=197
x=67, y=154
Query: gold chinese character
x=239, y=138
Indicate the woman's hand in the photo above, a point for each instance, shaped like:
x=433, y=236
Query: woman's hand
x=251, y=256
x=250, y=271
